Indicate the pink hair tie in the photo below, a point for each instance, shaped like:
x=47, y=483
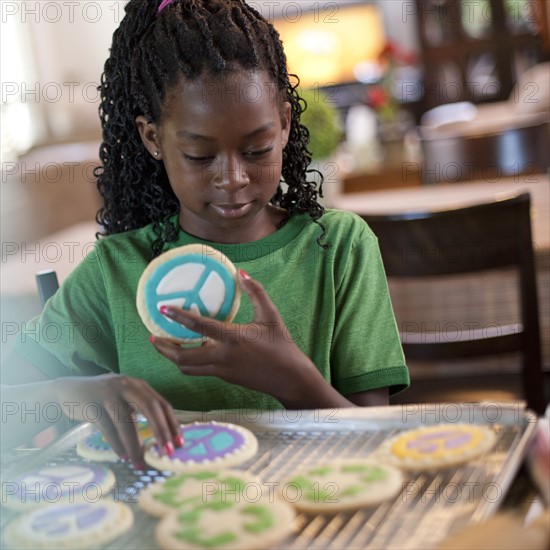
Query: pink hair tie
x=163, y=4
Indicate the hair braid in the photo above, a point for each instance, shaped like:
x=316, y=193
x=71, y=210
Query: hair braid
x=149, y=54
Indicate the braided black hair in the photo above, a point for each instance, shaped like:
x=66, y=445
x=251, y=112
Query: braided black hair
x=149, y=54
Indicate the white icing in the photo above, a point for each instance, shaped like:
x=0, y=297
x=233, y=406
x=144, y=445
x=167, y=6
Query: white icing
x=212, y=293
x=73, y=474
x=180, y=278
x=176, y=302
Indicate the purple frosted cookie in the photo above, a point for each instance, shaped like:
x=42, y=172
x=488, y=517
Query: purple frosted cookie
x=207, y=444
x=80, y=525
x=57, y=484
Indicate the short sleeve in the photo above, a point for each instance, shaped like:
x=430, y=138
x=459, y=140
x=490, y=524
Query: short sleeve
x=367, y=351
x=75, y=333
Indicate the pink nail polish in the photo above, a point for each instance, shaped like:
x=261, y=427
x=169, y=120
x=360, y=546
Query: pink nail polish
x=163, y=310
x=151, y=339
x=168, y=449
x=244, y=274
x=179, y=441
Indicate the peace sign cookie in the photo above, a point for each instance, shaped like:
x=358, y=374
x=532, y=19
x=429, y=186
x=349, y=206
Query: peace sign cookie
x=77, y=525
x=437, y=447
x=53, y=484
x=226, y=525
x=194, y=277
x=345, y=484
x=96, y=447
x=162, y=497
x=207, y=444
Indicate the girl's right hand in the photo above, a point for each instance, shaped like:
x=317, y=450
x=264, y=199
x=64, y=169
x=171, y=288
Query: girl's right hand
x=114, y=400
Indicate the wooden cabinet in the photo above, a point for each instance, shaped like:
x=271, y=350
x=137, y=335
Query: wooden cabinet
x=475, y=50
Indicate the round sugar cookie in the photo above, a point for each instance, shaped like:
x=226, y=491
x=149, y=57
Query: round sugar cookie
x=344, y=484
x=162, y=497
x=96, y=447
x=194, y=277
x=57, y=484
x=207, y=445
x=243, y=525
x=437, y=447
x=79, y=525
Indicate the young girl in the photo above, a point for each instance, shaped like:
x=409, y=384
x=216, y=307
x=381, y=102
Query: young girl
x=201, y=125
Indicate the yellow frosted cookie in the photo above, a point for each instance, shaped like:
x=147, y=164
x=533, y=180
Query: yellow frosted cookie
x=345, y=484
x=194, y=277
x=437, y=447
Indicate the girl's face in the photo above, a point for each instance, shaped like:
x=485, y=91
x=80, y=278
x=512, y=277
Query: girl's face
x=221, y=141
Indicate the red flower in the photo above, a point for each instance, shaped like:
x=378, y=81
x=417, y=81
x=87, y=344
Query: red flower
x=377, y=97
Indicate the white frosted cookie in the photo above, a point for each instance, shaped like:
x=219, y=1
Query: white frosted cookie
x=161, y=497
x=194, y=277
x=437, y=447
x=207, y=445
x=96, y=447
x=223, y=525
x=57, y=484
x=80, y=525
x=345, y=484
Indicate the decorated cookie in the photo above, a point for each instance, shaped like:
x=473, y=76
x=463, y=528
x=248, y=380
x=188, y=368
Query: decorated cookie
x=345, y=484
x=57, y=484
x=207, y=445
x=80, y=525
x=194, y=277
x=165, y=496
x=96, y=447
x=219, y=524
x=438, y=447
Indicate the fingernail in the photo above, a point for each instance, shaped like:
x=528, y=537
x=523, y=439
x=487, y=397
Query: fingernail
x=125, y=458
x=244, y=274
x=163, y=310
x=168, y=449
x=151, y=339
x=179, y=441
x=140, y=465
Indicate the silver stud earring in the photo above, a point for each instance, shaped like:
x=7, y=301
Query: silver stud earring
x=156, y=153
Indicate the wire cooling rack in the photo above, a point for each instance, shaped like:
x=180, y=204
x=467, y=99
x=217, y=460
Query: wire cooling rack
x=429, y=507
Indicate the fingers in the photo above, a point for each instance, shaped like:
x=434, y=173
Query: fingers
x=265, y=310
x=208, y=327
x=159, y=414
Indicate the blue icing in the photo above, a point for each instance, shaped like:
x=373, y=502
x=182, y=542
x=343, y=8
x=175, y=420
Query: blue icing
x=221, y=441
x=191, y=296
x=197, y=434
x=199, y=449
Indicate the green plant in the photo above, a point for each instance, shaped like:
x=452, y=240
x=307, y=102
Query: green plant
x=322, y=120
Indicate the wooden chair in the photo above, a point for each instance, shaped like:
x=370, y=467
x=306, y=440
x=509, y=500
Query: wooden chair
x=47, y=284
x=467, y=240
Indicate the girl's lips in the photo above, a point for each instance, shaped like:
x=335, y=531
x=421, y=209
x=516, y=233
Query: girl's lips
x=232, y=210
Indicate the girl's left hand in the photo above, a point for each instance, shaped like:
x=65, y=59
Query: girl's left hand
x=260, y=355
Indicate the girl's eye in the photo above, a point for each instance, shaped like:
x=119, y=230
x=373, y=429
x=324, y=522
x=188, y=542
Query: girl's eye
x=197, y=159
x=258, y=153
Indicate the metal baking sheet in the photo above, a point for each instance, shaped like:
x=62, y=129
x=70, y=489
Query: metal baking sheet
x=430, y=506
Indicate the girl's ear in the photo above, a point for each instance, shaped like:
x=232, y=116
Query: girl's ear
x=286, y=115
x=149, y=136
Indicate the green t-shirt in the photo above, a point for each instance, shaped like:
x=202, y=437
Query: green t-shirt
x=334, y=301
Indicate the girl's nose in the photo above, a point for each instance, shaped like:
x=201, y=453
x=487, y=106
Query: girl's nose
x=231, y=175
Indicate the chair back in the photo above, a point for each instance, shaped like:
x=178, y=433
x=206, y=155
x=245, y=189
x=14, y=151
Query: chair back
x=467, y=240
